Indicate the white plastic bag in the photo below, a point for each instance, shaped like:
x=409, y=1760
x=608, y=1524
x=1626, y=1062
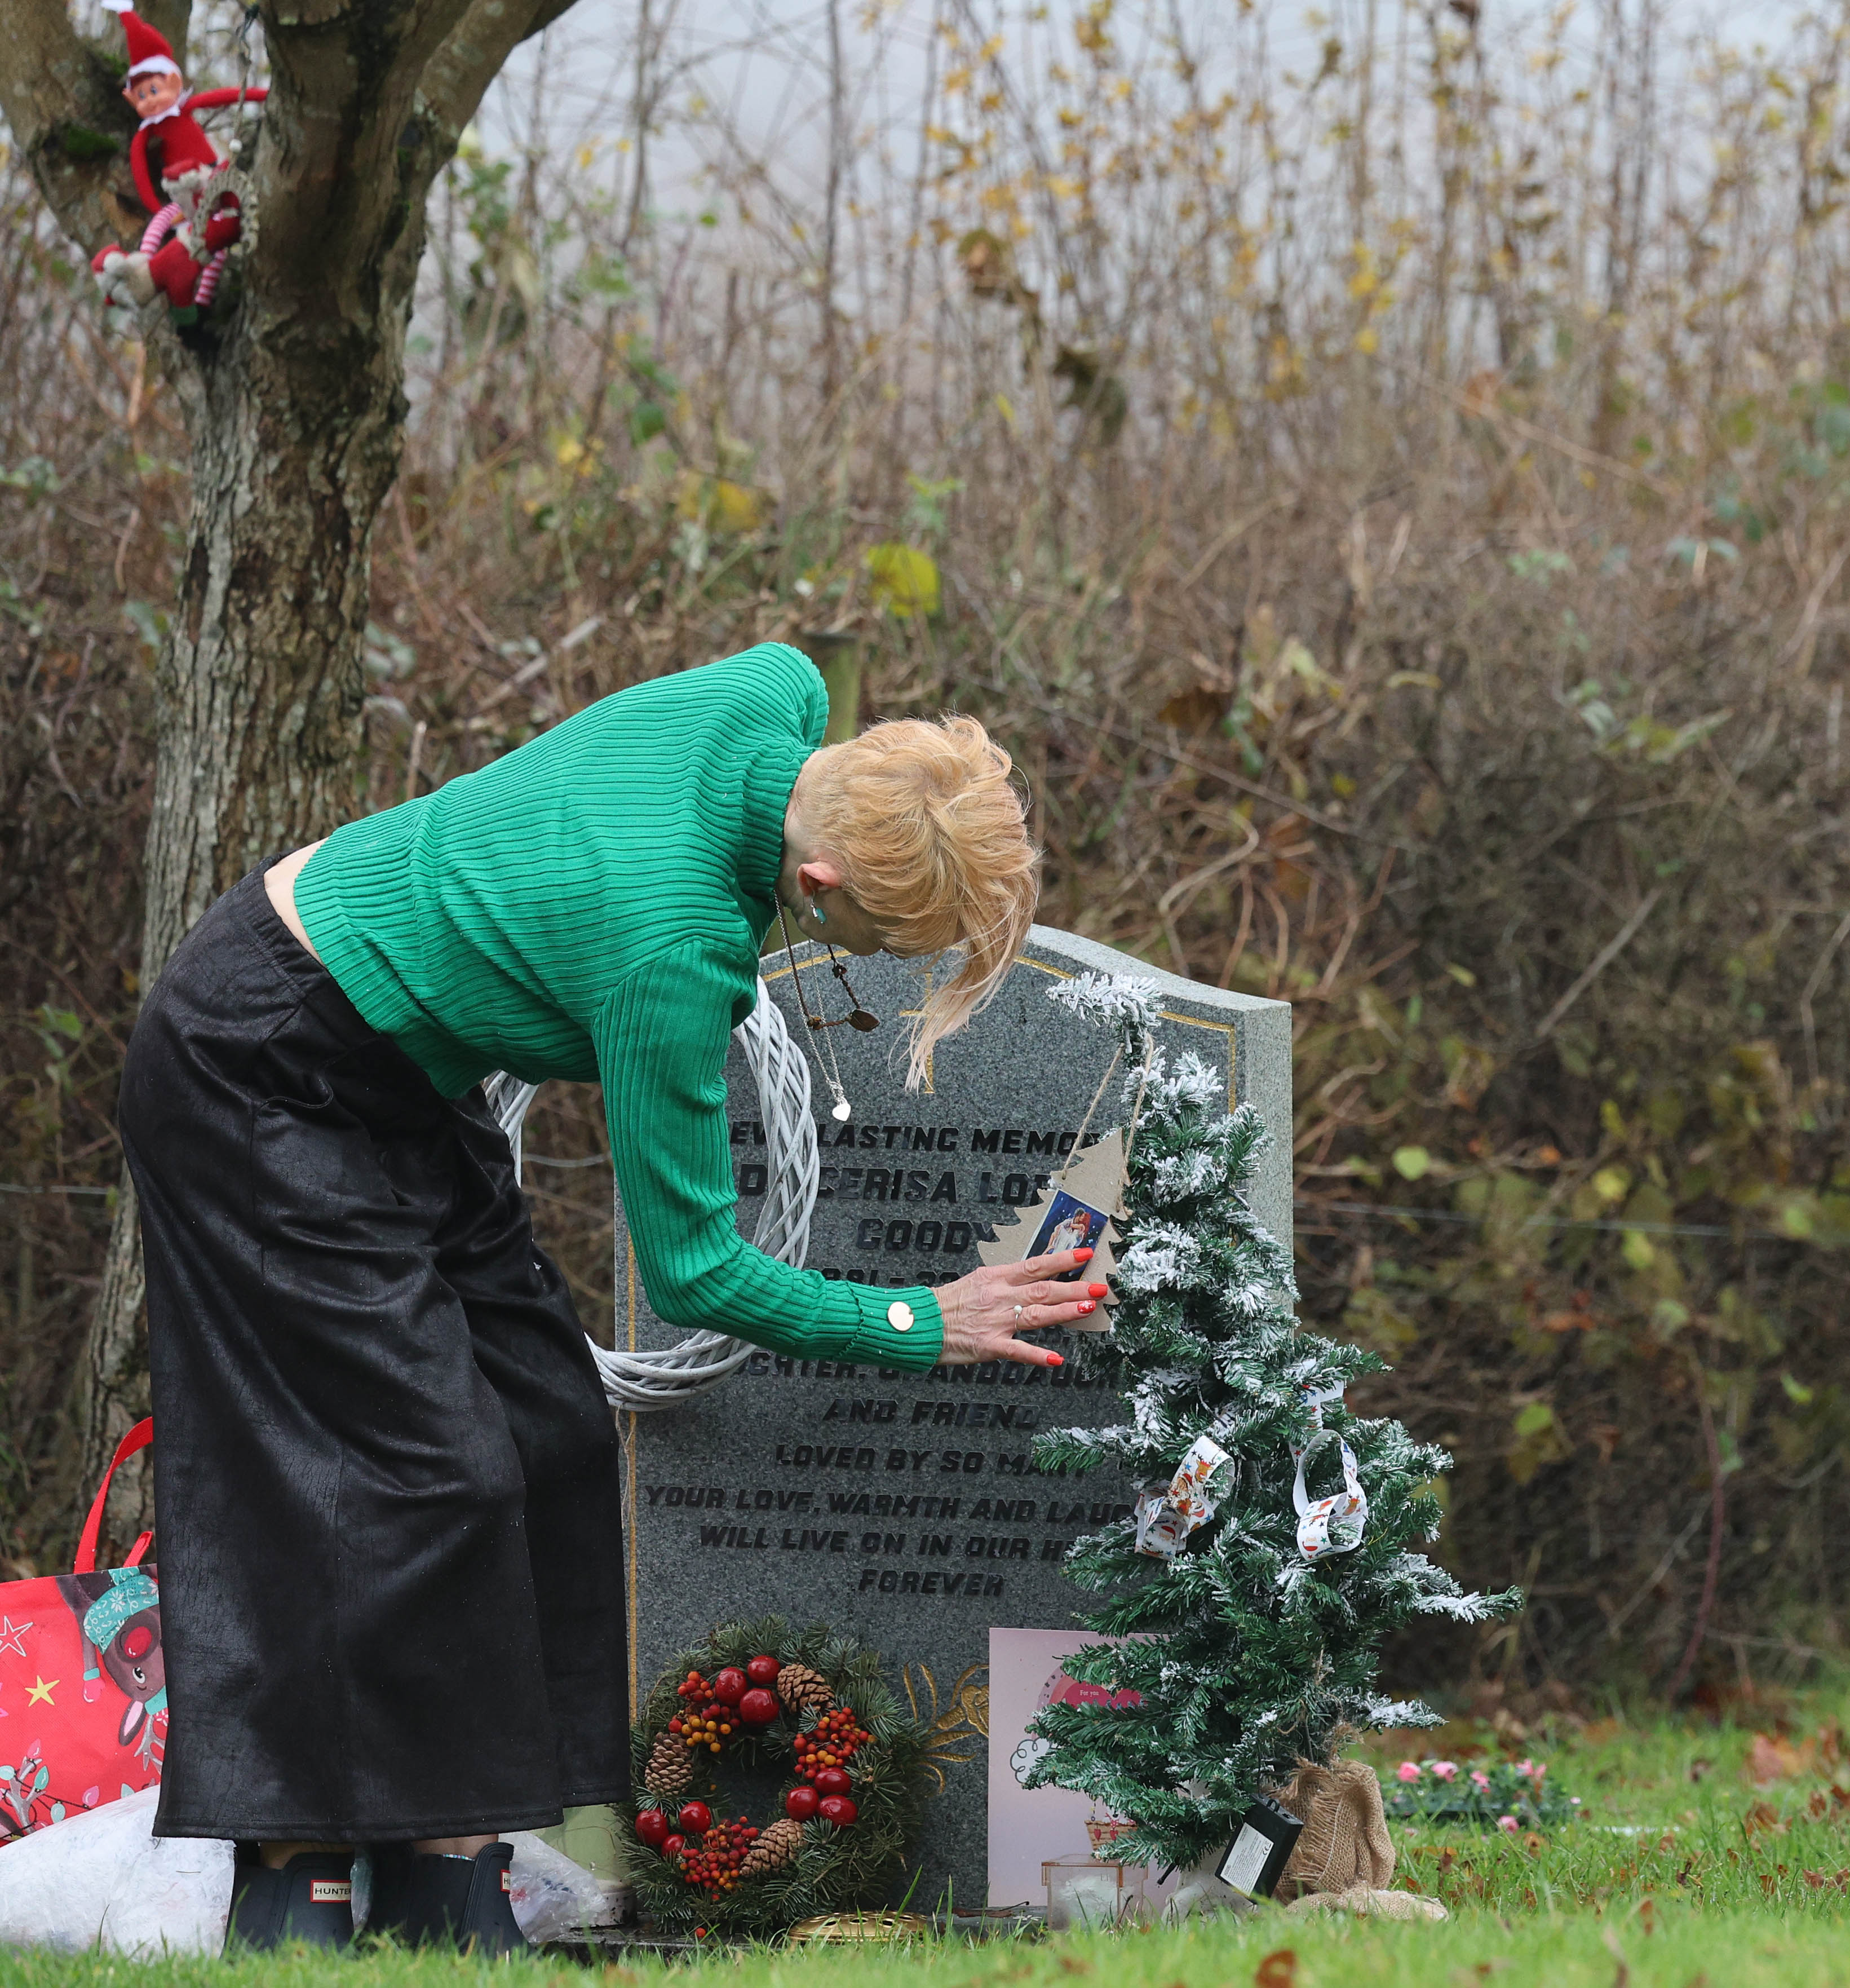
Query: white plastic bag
x=552, y=1897
x=103, y=1878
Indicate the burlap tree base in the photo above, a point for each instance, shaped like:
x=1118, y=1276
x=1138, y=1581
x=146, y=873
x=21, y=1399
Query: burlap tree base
x=1345, y=1859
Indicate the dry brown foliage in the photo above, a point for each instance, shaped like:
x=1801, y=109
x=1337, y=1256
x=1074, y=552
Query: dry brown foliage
x=1432, y=613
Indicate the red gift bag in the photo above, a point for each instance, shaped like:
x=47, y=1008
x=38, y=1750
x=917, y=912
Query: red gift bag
x=82, y=1688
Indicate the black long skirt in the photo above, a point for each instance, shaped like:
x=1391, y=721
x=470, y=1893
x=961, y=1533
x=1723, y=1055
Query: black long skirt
x=386, y=1478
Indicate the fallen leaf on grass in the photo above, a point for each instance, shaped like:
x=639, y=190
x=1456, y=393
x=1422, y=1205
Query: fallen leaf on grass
x=1698, y=1768
x=1762, y=1820
x=1771, y=1757
x=1647, y=1915
x=1828, y=1880
x=1277, y=1970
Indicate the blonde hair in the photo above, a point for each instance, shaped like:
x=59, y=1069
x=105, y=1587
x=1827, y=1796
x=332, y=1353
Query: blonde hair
x=932, y=839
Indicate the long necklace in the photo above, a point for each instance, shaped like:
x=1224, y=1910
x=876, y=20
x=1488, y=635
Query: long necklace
x=859, y=1019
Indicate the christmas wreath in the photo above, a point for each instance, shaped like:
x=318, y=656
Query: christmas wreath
x=801, y=1726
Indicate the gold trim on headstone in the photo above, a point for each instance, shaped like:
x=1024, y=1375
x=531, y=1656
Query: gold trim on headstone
x=843, y=1929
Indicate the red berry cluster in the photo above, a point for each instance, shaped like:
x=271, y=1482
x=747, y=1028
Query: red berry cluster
x=711, y=1717
x=719, y=1707
x=712, y=1865
x=833, y=1742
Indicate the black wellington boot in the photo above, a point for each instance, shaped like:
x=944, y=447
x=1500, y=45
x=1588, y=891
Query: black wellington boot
x=310, y=1899
x=427, y=1900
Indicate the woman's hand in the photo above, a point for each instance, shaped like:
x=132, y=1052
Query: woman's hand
x=984, y=1311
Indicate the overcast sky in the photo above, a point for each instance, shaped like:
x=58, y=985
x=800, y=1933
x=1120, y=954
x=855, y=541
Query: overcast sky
x=763, y=63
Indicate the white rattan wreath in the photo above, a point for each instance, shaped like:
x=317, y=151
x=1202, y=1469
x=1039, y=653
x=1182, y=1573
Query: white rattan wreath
x=646, y=1381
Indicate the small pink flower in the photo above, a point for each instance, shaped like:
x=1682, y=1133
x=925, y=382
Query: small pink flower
x=1408, y=1771
x=1482, y=1779
x=1528, y=1770
x=1507, y=1823
x=1447, y=1770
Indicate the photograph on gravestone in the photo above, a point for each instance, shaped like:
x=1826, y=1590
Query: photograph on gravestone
x=905, y=1508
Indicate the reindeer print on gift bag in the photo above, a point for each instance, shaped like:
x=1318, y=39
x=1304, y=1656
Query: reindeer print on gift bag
x=83, y=1687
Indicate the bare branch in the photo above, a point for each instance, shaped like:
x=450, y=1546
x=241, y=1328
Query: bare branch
x=368, y=99
x=68, y=118
x=330, y=170
x=548, y=12
x=473, y=54
x=459, y=74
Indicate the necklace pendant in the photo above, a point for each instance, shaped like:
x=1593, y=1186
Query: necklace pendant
x=861, y=1020
x=843, y=1111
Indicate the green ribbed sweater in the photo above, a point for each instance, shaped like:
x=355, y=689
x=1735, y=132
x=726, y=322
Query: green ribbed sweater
x=592, y=907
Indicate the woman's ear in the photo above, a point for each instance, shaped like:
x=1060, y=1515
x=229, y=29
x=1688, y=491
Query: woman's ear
x=820, y=875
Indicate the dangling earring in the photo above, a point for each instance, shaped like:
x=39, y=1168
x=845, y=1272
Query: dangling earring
x=816, y=911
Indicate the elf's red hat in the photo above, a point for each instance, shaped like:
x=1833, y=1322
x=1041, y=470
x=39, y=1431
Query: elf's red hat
x=151, y=53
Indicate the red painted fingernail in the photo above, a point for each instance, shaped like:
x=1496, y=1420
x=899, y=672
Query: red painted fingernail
x=1056, y=1360
x=1097, y=1290
x=1085, y=1308
x=1082, y=1256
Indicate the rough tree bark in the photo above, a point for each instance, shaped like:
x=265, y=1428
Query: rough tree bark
x=295, y=408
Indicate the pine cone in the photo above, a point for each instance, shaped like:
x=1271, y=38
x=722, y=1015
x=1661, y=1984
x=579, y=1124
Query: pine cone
x=668, y=1772
x=804, y=1690
x=776, y=1846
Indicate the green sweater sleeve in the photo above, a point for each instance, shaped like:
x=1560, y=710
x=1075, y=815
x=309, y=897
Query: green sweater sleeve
x=661, y=1038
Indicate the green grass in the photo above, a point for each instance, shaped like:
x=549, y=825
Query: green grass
x=1681, y=1873
x=1732, y=1948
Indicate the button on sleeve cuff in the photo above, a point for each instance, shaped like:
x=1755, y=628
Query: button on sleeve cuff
x=902, y=1328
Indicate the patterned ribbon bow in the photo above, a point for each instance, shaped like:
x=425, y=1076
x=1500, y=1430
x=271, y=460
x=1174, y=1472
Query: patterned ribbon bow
x=1333, y=1525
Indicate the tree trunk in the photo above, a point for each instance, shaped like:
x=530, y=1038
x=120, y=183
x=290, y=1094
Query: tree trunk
x=261, y=690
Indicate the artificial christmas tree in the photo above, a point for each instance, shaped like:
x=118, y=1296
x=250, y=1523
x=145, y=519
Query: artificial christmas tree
x=1255, y=1609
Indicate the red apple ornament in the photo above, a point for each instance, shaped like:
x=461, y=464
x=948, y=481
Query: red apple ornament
x=833, y=1781
x=695, y=1818
x=729, y=1686
x=758, y=1707
x=674, y=1846
x=838, y=1810
x=763, y=1670
x=802, y=1803
x=652, y=1828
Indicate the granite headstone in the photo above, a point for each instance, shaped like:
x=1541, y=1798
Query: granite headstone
x=905, y=1508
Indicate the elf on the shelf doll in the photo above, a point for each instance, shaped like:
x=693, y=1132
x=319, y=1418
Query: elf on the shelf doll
x=180, y=177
